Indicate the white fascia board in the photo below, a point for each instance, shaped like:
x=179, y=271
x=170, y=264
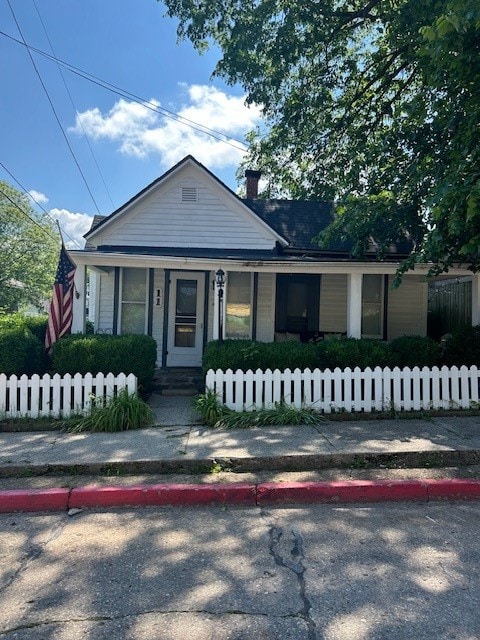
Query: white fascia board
x=103, y=260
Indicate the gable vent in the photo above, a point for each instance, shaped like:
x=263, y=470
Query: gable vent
x=189, y=194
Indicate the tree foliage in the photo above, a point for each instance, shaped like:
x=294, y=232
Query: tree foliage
x=29, y=248
x=373, y=103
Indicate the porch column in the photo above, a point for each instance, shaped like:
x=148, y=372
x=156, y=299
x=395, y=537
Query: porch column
x=79, y=303
x=215, y=308
x=475, y=300
x=354, y=305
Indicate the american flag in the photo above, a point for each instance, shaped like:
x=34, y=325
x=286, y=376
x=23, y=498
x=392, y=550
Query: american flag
x=60, y=314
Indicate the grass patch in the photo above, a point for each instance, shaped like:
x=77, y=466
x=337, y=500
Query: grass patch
x=121, y=413
x=215, y=415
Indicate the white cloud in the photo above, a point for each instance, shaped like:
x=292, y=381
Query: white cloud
x=73, y=226
x=141, y=132
x=37, y=197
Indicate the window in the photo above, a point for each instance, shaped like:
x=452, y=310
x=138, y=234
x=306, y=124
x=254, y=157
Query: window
x=372, y=306
x=297, y=304
x=238, y=309
x=133, y=302
x=186, y=313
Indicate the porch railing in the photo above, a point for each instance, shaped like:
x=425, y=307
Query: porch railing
x=348, y=390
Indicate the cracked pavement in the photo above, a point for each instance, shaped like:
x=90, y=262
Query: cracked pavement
x=312, y=573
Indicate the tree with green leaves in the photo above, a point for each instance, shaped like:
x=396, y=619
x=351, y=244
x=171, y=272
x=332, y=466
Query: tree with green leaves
x=372, y=103
x=29, y=249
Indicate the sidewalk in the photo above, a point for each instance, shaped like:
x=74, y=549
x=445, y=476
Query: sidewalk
x=182, y=445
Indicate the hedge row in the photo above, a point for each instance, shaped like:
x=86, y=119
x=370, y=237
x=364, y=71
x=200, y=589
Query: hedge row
x=21, y=344
x=22, y=351
x=135, y=354
x=463, y=347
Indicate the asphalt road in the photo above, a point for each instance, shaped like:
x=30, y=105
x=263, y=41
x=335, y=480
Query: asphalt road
x=388, y=571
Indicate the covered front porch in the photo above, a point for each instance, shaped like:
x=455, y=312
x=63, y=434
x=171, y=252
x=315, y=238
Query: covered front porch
x=182, y=303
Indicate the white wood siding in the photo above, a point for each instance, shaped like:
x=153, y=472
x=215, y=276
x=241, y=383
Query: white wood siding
x=333, y=303
x=161, y=219
x=105, y=303
x=266, y=307
x=158, y=311
x=407, y=307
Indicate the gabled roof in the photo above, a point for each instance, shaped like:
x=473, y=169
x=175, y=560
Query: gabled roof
x=147, y=190
x=295, y=223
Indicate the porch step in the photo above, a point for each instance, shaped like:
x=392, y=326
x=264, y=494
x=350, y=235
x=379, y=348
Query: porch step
x=179, y=382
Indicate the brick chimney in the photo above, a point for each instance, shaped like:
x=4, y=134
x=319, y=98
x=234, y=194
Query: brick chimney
x=252, y=178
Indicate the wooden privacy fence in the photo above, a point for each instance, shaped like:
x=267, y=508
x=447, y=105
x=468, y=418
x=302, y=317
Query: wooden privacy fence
x=58, y=396
x=348, y=389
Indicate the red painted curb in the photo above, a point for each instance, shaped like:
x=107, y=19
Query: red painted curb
x=34, y=500
x=453, y=489
x=163, y=494
x=344, y=491
x=266, y=493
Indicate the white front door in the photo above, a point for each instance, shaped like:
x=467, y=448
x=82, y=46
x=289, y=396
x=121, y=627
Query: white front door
x=185, y=319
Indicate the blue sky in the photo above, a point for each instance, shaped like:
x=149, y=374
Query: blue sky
x=130, y=44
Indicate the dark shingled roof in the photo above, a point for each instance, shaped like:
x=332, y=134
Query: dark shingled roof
x=298, y=221
x=96, y=220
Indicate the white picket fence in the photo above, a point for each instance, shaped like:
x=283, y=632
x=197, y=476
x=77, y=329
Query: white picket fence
x=348, y=390
x=58, y=396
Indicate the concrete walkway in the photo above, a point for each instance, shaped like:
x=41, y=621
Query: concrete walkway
x=182, y=442
x=178, y=444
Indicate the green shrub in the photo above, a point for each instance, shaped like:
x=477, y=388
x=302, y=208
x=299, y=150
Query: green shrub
x=416, y=351
x=37, y=325
x=20, y=351
x=353, y=352
x=124, y=411
x=463, y=347
x=247, y=354
x=104, y=353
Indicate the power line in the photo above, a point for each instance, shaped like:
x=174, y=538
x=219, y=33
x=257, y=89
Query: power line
x=53, y=108
x=73, y=104
x=218, y=135
x=38, y=204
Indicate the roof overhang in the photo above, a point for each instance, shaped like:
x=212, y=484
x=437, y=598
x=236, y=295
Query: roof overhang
x=104, y=260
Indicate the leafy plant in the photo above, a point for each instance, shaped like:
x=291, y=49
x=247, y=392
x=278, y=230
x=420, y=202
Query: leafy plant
x=215, y=415
x=416, y=351
x=352, y=352
x=248, y=354
x=463, y=347
x=210, y=408
x=122, y=412
x=20, y=351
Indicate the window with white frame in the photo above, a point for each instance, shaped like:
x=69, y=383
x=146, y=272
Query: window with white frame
x=133, y=300
x=372, y=306
x=238, y=308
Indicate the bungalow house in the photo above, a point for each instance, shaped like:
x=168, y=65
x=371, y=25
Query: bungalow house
x=186, y=260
